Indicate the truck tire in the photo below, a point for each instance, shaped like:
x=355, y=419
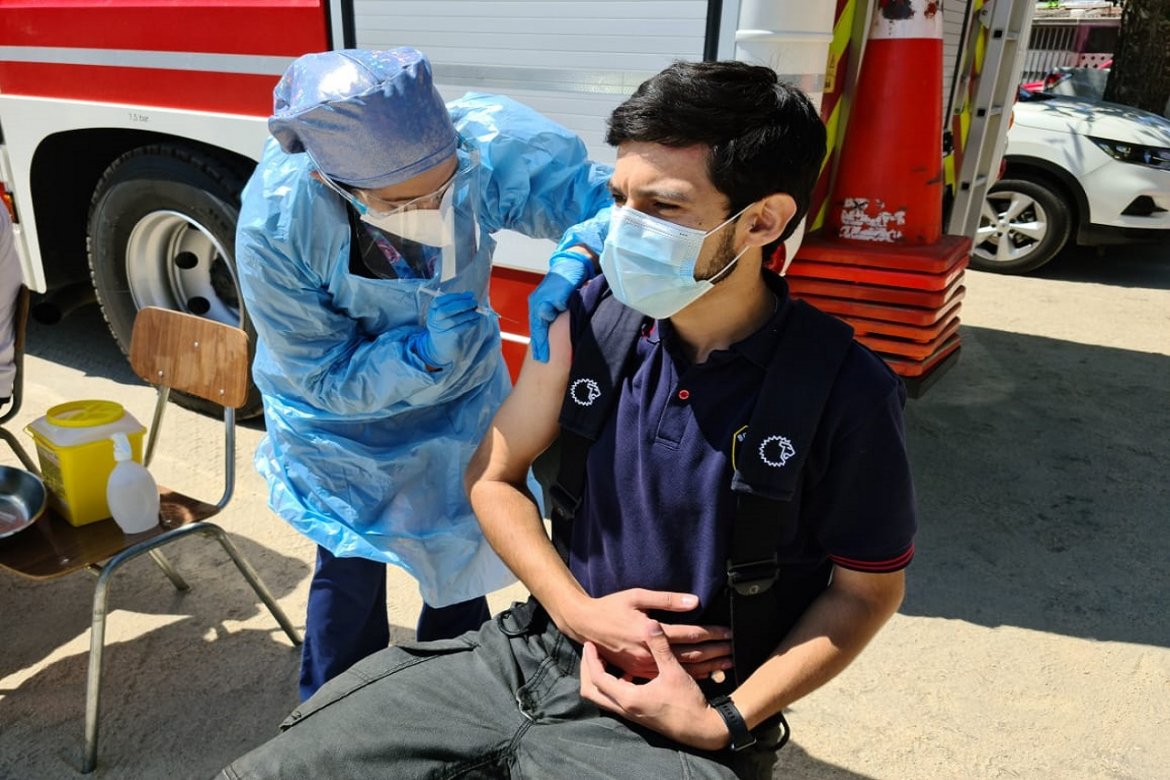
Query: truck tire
x=1025, y=223
x=162, y=227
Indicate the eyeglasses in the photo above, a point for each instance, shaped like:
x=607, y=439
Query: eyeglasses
x=364, y=202
x=429, y=201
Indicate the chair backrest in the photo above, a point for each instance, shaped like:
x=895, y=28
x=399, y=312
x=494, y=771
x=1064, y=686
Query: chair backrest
x=193, y=355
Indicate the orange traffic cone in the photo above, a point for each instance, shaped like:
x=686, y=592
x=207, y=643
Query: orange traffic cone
x=882, y=263
x=889, y=183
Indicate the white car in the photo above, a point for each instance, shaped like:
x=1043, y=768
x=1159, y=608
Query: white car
x=1096, y=172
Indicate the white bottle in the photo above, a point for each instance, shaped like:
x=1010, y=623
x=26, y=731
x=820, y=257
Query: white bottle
x=131, y=492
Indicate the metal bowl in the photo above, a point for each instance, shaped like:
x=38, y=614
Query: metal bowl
x=22, y=499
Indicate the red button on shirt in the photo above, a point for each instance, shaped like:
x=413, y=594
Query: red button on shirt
x=684, y=395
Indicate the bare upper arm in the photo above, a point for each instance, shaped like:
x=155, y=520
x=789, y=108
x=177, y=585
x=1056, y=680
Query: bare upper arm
x=883, y=592
x=526, y=423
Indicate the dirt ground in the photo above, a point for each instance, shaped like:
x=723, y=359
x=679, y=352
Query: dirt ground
x=1034, y=641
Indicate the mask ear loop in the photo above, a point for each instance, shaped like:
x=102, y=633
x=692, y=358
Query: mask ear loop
x=729, y=266
x=742, y=252
x=728, y=221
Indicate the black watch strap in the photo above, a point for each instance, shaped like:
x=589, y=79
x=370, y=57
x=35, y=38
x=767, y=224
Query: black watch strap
x=741, y=735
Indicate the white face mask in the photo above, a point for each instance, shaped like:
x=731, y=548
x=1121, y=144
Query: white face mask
x=650, y=263
x=433, y=227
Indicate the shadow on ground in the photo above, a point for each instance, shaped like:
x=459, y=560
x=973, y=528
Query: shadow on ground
x=83, y=342
x=218, y=687
x=1138, y=265
x=1041, y=473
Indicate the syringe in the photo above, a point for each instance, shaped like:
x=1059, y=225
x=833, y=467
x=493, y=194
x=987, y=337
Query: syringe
x=431, y=291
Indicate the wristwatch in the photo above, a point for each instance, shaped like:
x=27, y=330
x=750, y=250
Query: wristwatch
x=741, y=735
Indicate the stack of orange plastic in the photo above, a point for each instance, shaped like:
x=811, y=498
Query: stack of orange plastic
x=902, y=301
x=882, y=263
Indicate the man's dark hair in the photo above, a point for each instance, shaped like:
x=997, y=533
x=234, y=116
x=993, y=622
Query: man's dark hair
x=765, y=136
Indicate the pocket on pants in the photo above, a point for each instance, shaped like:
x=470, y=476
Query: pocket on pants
x=376, y=667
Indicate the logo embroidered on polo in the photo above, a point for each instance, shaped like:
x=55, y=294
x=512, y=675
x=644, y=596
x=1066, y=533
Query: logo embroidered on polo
x=779, y=448
x=591, y=389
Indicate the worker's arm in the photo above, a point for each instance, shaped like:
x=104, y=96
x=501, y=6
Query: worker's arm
x=535, y=176
x=525, y=425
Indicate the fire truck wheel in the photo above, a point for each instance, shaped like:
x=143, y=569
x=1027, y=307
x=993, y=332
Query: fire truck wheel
x=1025, y=223
x=162, y=226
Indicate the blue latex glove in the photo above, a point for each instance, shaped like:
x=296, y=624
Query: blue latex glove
x=450, y=319
x=551, y=297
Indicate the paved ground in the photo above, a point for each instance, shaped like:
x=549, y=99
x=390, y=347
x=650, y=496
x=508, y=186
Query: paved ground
x=1034, y=641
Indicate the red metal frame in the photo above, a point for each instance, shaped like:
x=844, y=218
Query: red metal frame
x=204, y=27
x=509, y=291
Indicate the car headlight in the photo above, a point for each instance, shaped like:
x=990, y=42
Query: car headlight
x=1153, y=156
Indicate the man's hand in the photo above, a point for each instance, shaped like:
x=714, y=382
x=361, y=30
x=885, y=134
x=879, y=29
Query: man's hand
x=569, y=270
x=617, y=624
x=670, y=704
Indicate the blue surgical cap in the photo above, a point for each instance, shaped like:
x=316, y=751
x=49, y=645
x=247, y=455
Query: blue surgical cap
x=369, y=119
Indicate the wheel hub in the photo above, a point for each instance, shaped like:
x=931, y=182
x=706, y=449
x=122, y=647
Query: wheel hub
x=1012, y=227
x=174, y=262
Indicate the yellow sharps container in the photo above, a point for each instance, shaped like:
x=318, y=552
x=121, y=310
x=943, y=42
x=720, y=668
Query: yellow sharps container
x=77, y=455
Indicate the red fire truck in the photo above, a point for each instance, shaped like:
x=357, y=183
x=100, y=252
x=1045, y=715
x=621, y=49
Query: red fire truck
x=128, y=127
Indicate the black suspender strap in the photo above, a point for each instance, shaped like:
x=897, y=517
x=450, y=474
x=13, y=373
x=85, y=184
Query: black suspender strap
x=767, y=477
x=600, y=353
x=809, y=353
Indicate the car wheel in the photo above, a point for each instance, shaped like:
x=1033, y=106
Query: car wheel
x=162, y=226
x=1023, y=225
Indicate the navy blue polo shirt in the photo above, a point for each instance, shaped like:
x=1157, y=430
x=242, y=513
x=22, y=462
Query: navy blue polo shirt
x=657, y=510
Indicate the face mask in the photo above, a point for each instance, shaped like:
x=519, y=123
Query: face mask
x=433, y=227
x=650, y=263
x=430, y=227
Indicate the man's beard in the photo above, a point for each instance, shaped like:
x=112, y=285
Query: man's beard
x=724, y=255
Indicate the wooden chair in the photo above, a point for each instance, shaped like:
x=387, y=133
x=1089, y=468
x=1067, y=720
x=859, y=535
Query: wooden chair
x=171, y=350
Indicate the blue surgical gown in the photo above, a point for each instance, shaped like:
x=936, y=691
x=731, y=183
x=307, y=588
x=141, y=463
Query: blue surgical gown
x=365, y=449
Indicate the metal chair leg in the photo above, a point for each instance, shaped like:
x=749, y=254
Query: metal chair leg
x=93, y=682
x=101, y=596
x=254, y=580
x=169, y=570
x=24, y=457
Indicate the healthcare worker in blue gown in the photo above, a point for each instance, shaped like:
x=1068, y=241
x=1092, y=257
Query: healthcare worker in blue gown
x=364, y=250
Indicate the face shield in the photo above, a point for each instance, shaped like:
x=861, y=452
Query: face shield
x=434, y=235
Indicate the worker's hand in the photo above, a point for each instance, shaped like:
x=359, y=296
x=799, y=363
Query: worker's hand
x=451, y=328
x=671, y=703
x=616, y=624
x=551, y=297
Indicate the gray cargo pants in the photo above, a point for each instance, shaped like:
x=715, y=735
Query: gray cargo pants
x=501, y=702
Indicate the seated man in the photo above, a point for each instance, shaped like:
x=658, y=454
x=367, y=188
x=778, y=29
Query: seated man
x=632, y=658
